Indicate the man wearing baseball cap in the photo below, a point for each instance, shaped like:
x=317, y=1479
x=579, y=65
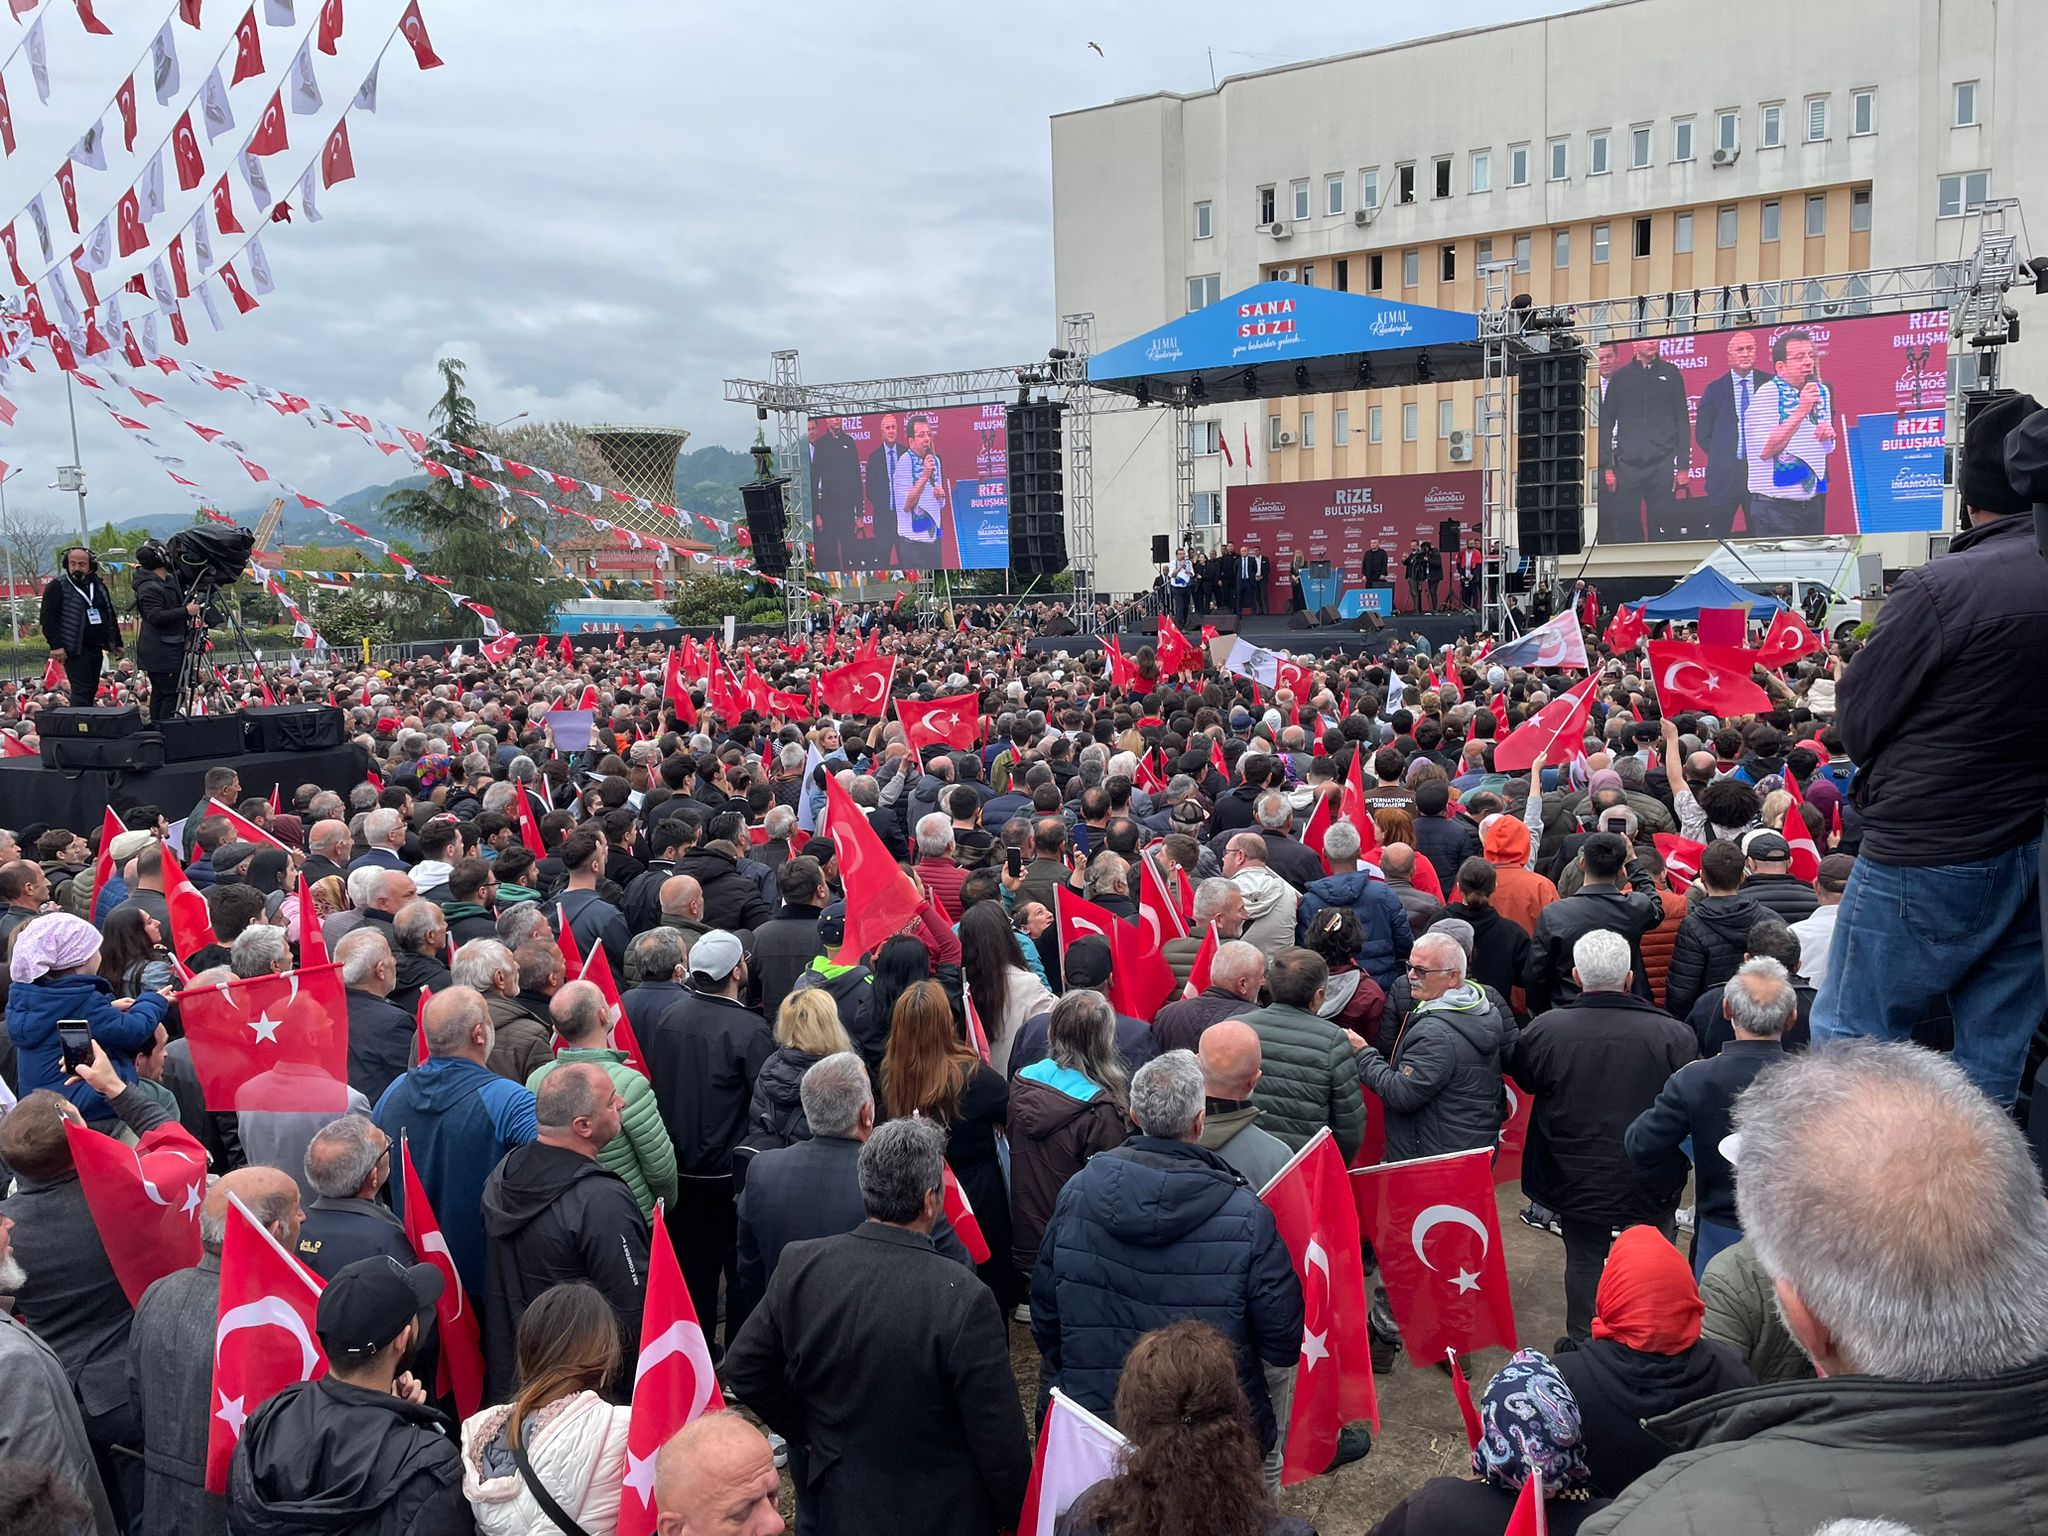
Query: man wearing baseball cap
x=358, y=1450
x=1770, y=881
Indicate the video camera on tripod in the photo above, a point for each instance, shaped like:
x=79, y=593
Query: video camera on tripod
x=205, y=559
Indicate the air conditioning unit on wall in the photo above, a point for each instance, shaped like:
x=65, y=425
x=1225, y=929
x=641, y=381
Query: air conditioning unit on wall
x=1286, y=439
x=1726, y=156
x=1365, y=216
x=1279, y=229
x=1461, y=446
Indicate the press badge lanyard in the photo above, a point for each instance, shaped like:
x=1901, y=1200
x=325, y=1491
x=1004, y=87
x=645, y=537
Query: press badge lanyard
x=92, y=611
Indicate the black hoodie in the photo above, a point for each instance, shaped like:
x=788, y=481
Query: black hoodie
x=325, y=1457
x=552, y=1215
x=1618, y=1388
x=1712, y=938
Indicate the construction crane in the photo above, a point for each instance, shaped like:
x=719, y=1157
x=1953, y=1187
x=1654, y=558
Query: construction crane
x=267, y=525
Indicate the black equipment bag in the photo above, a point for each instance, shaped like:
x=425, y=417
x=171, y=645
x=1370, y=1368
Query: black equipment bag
x=293, y=728
x=141, y=753
x=201, y=738
x=103, y=723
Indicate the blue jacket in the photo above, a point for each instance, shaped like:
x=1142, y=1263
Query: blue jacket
x=1696, y=1111
x=33, y=1011
x=200, y=870
x=1150, y=1232
x=112, y=894
x=460, y=1119
x=1388, y=937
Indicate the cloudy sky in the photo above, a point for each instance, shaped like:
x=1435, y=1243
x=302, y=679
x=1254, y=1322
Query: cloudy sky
x=608, y=207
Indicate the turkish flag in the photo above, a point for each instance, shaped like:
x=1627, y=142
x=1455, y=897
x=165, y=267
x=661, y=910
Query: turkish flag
x=1205, y=956
x=6, y=122
x=1805, y=852
x=337, y=160
x=271, y=1042
x=1461, y=1389
x=1530, y=1515
x=1140, y=980
x=1722, y=626
x=568, y=652
x=726, y=697
x=1157, y=911
x=1560, y=643
x=1787, y=640
x=124, y=103
x=976, y=1035
x=880, y=898
x=144, y=1200
x=244, y=302
x=1175, y=650
x=248, y=49
x=191, y=921
x=1076, y=1450
x=673, y=1382
x=67, y=183
x=860, y=687
x=1710, y=678
x=263, y=1337
x=1434, y=1225
x=960, y=1212
x=1681, y=856
x=188, y=12
x=1354, y=809
x=1312, y=1207
x=953, y=720
x=565, y=940
x=1625, y=630
x=103, y=866
x=415, y=31
x=1317, y=828
x=269, y=137
x=329, y=32
x=185, y=154
x=12, y=745
x=312, y=941
x=499, y=651
x=1514, y=1132
x=1123, y=672
x=597, y=970
x=245, y=830
x=462, y=1357
x=223, y=213
x=1557, y=731
x=529, y=826
x=674, y=691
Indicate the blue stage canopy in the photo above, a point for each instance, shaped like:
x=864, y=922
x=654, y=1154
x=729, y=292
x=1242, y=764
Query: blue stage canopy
x=1708, y=589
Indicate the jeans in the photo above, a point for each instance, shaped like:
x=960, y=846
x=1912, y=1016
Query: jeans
x=1909, y=936
x=1783, y=516
x=1585, y=1255
x=1708, y=1239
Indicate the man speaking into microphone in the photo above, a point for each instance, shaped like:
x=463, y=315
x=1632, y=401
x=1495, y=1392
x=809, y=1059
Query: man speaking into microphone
x=1790, y=432
x=78, y=623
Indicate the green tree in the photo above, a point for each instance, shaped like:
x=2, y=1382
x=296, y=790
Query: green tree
x=463, y=540
x=708, y=598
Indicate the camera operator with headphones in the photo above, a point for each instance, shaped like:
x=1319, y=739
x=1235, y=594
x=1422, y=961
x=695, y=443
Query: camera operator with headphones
x=78, y=623
x=166, y=618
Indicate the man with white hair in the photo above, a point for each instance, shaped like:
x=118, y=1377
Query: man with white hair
x=935, y=867
x=384, y=836
x=1595, y=1064
x=1901, y=1221
x=346, y=1164
x=375, y=895
x=380, y=1035
x=1237, y=973
x=1219, y=904
x=1441, y=1082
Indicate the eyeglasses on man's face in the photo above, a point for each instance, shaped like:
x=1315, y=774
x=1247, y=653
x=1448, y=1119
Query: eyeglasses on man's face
x=1428, y=970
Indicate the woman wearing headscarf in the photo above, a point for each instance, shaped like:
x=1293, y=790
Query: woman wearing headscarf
x=55, y=974
x=1646, y=1357
x=1529, y=1423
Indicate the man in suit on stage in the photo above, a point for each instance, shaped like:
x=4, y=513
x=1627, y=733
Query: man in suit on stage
x=1643, y=422
x=1251, y=582
x=880, y=510
x=1424, y=571
x=1375, y=565
x=1723, y=438
x=835, y=494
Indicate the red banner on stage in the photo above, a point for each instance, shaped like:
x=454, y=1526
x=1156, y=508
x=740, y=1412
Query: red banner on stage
x=1339, y=521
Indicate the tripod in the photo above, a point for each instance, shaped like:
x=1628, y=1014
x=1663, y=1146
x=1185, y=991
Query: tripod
x=199, y=672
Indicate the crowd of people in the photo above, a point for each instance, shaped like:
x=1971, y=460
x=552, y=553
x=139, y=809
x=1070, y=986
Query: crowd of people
x=1804, y=1250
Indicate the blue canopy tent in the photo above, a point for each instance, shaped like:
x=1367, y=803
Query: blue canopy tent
x=1279, y=339
x=1709, y=589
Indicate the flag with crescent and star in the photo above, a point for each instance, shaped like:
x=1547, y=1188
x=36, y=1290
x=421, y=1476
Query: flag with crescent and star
x=244, y=829
x=1625, y=630
x=103, y=865
x=264, y=1335
x=1311, y=1205
x=461, y=1371
x=144, y=1200
x=1556, y=732
x=860, y=687
x=1714, y=679
x=1514, y=1132
x=191, y=920
x=1560, y=643
x=1787, y=640
x=1140, y=980
x=880, y=898
x=960, y=1212
x=1075, y=1451
x=952, y=720
x=271, y=1043
x=1435, y=1228
x=673, y=1382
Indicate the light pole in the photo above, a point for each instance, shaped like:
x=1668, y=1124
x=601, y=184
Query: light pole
x=497, y=426
x=6, y=544
x=71, y=477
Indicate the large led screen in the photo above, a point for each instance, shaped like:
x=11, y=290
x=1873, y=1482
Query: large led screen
x=913, y=490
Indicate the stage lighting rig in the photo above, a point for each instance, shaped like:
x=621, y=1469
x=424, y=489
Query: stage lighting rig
x=1249, y=380
x=1198, y=388
x=1423, y=373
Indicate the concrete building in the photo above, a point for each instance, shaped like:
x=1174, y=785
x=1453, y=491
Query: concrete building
x=1633, y=147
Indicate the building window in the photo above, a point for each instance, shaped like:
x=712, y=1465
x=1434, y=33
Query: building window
x=1340, y=427
x=1411, y=423
x=1771, y=133
x=1333, y=194
x=1308, y=429
x=1300, y=200
x=1369, y=187
x=1518, y=165
x=1204, y=291
x=1965, y=115
x=1343, y=274
x=1769, y=231
x=1484, y=252
x=1372, y=424
x=1308, y=274
x=1208, y=437
x=1442, y=183
x=1521, y=253
x=1205, y=223
x=1273, y=432
x=1859, y=210
x=1445, y=418
x=1816, y=216
x=1205, y=510
x=1447, y=264
x=1482, y=170
x=1681, y=233
x=1958, y=194
x=1681, y=139
x=1639, y=146
x=1816, y=119
x=1411, y=268
x=1596, y=153
x=1404, y=184
x=1267, y=212
x=1376, y=271
x=1561, y=248
x=1642, y=237
x=1728, y=131
x=1560, y=159
x=1863, y=112
x=1600, y=243
x=1724, y=228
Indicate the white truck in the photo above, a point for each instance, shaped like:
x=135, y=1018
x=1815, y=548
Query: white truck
x=1829, y=563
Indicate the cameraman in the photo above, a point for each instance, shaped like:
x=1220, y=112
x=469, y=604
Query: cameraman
x=166, y=618
x=79, y=624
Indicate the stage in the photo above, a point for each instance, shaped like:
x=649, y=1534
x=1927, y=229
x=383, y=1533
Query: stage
x=78, y=798
x=1434, y=630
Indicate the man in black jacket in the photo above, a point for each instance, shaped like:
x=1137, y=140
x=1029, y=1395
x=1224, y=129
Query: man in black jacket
x=78, y=623
x=1593, y=1065
x=1714, y=933
x=552, y=1213
x=1770, y=882
x=163, y=618
x=1945, y=900
x=347, y=1162
x=731, y=899
x=590, y=917
x=862, y=1390
x=785, y=945
x=380, y=1035
x=1600, y=903
x=641, y=905
x=655, y=967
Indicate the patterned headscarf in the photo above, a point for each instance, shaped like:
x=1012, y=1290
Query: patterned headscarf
x=1531, y=1423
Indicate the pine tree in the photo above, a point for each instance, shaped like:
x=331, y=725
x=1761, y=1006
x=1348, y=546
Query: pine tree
x=463, y=534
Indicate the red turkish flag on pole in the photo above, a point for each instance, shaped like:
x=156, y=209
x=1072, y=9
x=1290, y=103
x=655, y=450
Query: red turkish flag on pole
x=269, y=137
x=860, y=687
x=1317, y=828
x=567, y=652
x=248, y=48
x=419, y=1026
x=1434, y=1225
x=131, y=234
x=673, y=1382
x=529, y=827
x=1355, y=810
x=1156, y=907
x=1311, y=1205
x=597, y=970
x=191, y=922
x=953, y=720
x=329, y=30
x=1711, y=678
x=1805, y=853
x=245, y=830
x=1076, y=1450
x=1787, y=640
x=1514, y=1132
x=676, y=693
x=1557, y=730
x=462, y=1357
x=144, y=1199
x=53, y=677
x=185, y=154
x=1681, y=856
x=1530, y=1516
x=1205, y=957
x=1461, y=1389
x=264, y=1337
x=312, y=940
x=1140, y=980
x=976, y=1035
x=103, y=866
x=880, y=898
x=1625, y=630
x=415, y=31
x=271, y=1042
x=960, y=1212
x=1174, y=649
x=499, y=651
x=565, y=940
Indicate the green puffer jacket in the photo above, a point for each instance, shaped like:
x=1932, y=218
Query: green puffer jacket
x=1310, y=1081
x=1945, y=1458
x=641, y=1153
x=1742, y=1312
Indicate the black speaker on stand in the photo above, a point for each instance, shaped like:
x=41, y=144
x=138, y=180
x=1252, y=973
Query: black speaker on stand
x=1448, y=533
x=1162, y=549
x=767, y=517
x=1550, y=450
x=1038, y=499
